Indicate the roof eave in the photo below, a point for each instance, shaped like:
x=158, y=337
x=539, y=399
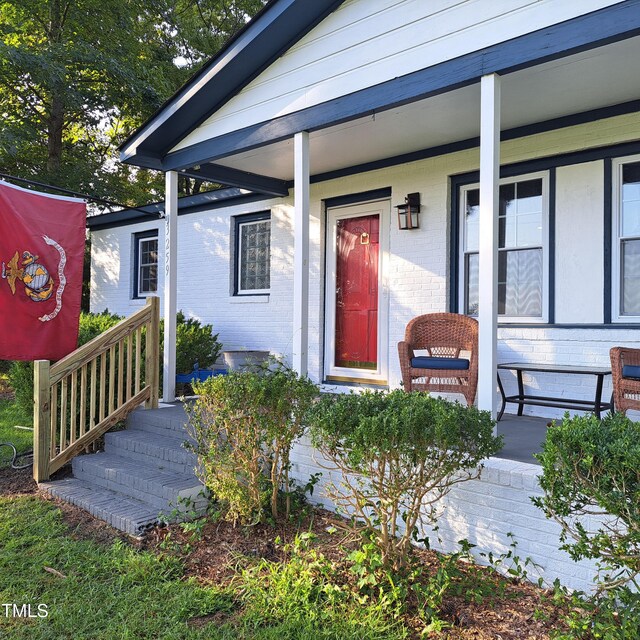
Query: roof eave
x=279, y=25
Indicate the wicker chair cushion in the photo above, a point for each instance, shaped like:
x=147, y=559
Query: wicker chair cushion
x=426, y=362
x=631, y=371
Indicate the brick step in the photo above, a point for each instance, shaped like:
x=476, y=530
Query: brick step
x=164, y=489
x=168, y=421
x=132, y=516
x=165, y=451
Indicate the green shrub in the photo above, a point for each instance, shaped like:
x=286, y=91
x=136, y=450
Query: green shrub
x=591, y=483
x=94, y=324
x=243, y=425
x=21, y=381
x=307, y=593
x=195, y=343
x=609, y=615
x=399, y=454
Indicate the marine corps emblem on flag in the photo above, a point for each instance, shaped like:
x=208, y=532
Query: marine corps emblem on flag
x=38, y=284
x=42, y=241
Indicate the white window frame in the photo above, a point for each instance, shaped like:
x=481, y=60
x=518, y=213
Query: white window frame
x=238, y=266
x=616, y=239
x=140, y=293
x=544, y=176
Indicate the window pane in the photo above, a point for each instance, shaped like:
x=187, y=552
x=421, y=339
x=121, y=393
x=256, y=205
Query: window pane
x=529, y=195
x=520, y=283
x=631, y=199
x=631, y=181
x=472, y=215
x=507, y=199
x=631, y=278
x=529, y=230
x=520, y=214
x=149, y=251
x=148, y=266
x=148, y=279
x=631, y=218
x=255, y=256
x=471, y=266
x=507, y=216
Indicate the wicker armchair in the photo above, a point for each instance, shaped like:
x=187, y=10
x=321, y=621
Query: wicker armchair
x=444, y=336
x=625, y=374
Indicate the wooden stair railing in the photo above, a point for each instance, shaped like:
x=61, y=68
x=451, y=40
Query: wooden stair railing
x=79, y=398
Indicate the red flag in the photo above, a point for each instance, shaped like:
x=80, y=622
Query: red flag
x=41, y=255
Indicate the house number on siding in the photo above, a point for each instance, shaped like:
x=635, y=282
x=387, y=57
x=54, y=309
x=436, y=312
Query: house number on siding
x=167, y=242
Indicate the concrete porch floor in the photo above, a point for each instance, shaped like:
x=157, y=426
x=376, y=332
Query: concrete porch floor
x=523, y=436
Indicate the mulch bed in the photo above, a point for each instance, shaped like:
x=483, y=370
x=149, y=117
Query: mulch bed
x=514, y=611
x=215, y=555
x=16, y=482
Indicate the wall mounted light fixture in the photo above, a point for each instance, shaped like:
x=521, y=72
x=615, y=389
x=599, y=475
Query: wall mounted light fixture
x=408, y=213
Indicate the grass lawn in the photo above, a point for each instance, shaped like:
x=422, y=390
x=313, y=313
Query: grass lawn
x=111, y=591
x=10, y=416
x=108, y=592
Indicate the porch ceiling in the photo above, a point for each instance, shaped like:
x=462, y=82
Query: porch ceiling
x=583, y=82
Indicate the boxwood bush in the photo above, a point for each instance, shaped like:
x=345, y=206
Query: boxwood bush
x=399, y=453
x=195, y=343
x=591, y=483
x=243, y=425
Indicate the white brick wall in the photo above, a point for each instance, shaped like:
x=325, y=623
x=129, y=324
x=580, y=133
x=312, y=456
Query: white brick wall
x=483, y=511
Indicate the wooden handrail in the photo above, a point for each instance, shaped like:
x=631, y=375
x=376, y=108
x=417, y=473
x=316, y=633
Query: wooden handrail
x=87, y=352
x=64, y=422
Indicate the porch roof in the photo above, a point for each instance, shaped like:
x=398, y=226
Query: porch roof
x=572, y=72
x=204, y=201
x=584, y=87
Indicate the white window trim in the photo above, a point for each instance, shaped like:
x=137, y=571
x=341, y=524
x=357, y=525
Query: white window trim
x=616, y=239
x=250, y=292
x=140, y=293
x=544, y=175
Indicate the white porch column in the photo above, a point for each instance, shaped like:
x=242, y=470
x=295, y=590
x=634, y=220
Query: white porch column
x=170, y=285
x=488, y=285
x=301, y=253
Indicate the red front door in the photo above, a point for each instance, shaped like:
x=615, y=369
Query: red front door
x=356, y=339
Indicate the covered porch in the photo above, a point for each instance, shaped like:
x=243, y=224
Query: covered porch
x=504, y=107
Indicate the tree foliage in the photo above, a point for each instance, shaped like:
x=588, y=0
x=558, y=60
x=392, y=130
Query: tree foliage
x=76, y=76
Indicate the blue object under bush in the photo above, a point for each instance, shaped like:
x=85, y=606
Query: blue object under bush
x=631, y=371
x=198, y=375
x=426, y=362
